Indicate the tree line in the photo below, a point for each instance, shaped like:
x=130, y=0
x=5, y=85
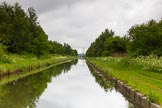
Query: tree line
x=140, y=40
x=21, y=33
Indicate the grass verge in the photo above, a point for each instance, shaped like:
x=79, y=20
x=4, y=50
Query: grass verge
x=21, y=63
x=15, y=77
x=149, y=83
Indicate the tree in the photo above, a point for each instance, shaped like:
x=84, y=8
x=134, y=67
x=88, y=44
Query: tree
x=115, y=45
x=107, y=44
x=97, y=47
x=40, y=43
x=145, y=39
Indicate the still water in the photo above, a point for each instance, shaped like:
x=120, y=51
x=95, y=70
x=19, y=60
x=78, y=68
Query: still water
x=70, y=85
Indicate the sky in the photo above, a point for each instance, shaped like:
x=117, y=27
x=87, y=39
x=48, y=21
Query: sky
x=80, y=22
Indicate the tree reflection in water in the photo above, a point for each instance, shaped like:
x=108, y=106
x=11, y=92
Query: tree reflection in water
x=25, y=92
x=100, y=79
x=105, y=83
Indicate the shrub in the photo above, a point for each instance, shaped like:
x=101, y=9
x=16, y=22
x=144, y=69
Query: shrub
x=3, y=57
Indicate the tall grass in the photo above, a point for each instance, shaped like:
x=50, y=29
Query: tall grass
x=15, y=63
x=152, y=63
x=149, y=63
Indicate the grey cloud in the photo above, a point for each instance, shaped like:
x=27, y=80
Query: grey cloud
x=79, y=22
x=42, y=6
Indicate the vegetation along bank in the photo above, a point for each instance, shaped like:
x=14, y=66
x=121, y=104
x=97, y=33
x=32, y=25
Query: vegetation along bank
x=134, y=75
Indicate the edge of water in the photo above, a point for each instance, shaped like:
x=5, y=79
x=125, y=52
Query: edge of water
x=127, y=91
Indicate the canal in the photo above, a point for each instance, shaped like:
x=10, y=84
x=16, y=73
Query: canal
x=69, y=85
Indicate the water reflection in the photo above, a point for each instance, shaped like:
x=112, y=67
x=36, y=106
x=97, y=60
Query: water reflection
x=105, y=83
x=78, y=89
x=100, y=79
x=63, y=86
x=25, y=92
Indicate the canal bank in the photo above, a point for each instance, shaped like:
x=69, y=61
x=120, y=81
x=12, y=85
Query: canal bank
x=16, y=76
x=133, y=95
x=26, y=63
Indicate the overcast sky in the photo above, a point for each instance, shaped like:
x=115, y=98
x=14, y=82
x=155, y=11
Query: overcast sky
x=79, y=22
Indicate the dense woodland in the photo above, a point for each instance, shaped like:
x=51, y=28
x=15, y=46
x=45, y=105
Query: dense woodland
x=21, y=33
x=141, y=40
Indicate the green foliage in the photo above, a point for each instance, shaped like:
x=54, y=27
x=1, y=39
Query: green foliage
x=151, y=63
x=24, y=62
x=147, y=63
x=2, y=50
x=125, y=62
x=19, y=30
x=115, y=45
x=151, y=97
x=21, y=33
x=57, y=48
x=107, y=44
x=146, y=39
x=3, y=57
x=40, y=44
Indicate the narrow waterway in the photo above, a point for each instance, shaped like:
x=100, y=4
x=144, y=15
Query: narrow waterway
x=70, y=85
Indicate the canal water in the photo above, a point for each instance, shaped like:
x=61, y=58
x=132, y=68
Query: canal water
x=70, y=85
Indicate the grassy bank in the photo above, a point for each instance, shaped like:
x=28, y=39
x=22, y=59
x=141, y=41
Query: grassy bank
x=18, y=63
x=142, y=74
x=21, y=75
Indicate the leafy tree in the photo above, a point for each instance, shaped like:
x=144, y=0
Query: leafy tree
x=115, y=45
x=107, y=44
x=97, y=47
x=145, y=39
x=40, y=43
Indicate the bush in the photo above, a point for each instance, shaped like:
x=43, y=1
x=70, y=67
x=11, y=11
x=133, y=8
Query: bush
x=150, y=63
x=3, y=57
x=1, y=50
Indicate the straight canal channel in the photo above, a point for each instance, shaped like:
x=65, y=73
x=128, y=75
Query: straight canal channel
x=69, y=85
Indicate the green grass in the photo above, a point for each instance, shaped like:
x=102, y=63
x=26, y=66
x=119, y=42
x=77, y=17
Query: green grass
x=15, y=77
x=13, y=63
x=148, y=82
